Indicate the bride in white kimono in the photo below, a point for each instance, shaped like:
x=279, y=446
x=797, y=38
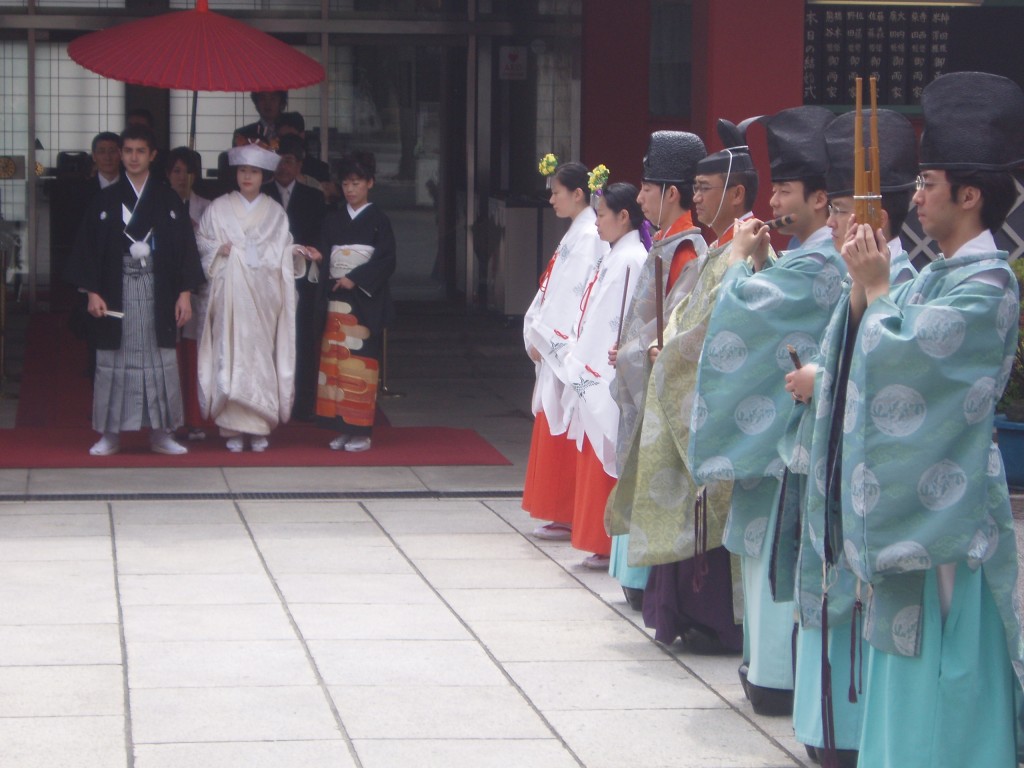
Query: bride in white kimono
x=247, y=349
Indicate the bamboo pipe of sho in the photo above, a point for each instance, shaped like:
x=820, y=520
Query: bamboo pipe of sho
x=875, y=187
x=867, y=183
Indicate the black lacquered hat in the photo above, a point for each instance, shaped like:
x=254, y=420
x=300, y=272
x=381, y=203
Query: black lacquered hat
x=672, y=157
x=973, y=121
x=897, y=149
x=735, y=158
x=796, y=142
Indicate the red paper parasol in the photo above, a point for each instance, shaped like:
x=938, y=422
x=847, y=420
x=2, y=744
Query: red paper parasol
x=196, y=50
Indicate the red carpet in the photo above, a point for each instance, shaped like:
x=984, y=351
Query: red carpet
x=52, y=426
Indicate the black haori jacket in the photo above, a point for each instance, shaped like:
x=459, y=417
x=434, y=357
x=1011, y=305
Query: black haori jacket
x=96, y=261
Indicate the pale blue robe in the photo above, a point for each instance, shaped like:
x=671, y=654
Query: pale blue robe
x=740, y=414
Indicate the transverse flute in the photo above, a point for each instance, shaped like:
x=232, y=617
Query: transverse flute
x=782, y=221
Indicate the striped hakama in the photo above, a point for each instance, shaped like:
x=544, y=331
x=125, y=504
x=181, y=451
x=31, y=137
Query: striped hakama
x=137, y=385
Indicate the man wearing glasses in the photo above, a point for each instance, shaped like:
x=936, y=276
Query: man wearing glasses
x=805, y=520
x=741, y=410
x=926, y=517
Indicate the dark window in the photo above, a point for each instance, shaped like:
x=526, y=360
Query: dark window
x=671, y=58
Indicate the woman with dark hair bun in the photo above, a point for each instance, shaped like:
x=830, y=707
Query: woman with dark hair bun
x=354, y=306
x=549, y=326
x=589, y=399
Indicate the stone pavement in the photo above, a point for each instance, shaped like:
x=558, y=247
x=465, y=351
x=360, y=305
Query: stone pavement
x=384, y=617
x=380, y=633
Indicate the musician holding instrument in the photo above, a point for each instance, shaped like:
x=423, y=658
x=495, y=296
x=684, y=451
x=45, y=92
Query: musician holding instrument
x=693, y=595
x=925, y=513
x=668, y=275
x=741, y=408
x=850, y=179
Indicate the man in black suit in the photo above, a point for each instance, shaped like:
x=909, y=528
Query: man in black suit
x=305, y=208
x=293, y=124
x=78, y=195
x=106, y=157
x=269, y=105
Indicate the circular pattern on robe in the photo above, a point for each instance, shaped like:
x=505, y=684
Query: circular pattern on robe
x=898, y=410
x=638, y=544
x=666, y=488
x=717, y=468
x=804, y=344
x=762, y=295
x=698, y=410
x=753, y=536
x=942, y=485
x=994, y=468
x=658, y=373
x=901, y=557
x=864, y=490
x=984, y=543
x=830, y=332
x=904, y=629
x=852, y=411
x=823, y=396
x=810, y=608
x=775, y=468
x=870, y=333
x=820, y=474
x=1008, y=314
x=754, y=414
x=1003, y=377
x=980, y=399
x=749, y=483
x=853, y=559
x=940, y=331
x=800, y=461
x=828, y=286
x=691, y=343
x=650, y=428
x=726, y=352
x=812, y=535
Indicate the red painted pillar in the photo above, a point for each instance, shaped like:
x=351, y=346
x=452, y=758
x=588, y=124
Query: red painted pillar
x=747, y=60
x=614, y=101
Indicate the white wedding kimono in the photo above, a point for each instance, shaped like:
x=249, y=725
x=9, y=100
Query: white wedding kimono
x=247, y=348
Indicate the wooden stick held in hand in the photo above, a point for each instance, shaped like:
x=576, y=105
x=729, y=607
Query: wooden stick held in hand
x=794, y=356
x=659, y=300
x=622, y=309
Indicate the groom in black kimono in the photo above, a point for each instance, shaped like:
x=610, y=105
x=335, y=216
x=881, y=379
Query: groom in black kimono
x=136, y=258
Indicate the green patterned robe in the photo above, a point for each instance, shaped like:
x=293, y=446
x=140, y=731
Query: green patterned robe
x=653, y=500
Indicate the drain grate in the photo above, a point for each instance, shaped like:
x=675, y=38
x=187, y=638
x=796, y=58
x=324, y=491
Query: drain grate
x=264, y=496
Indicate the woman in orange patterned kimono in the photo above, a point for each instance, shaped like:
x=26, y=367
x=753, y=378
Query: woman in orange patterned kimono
x=354, y=306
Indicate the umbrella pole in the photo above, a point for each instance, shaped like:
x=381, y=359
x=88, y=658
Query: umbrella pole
x=192, y=131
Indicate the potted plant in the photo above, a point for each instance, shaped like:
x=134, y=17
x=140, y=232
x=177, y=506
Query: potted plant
x=1010, y=409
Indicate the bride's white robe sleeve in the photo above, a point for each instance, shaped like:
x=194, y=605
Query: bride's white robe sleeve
x=247, y=349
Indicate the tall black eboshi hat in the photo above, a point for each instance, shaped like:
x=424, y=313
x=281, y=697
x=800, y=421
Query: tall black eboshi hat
x=897, y=152
x=672, y=157
x=796, y=142
x=973, y=121
x=735, y=158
